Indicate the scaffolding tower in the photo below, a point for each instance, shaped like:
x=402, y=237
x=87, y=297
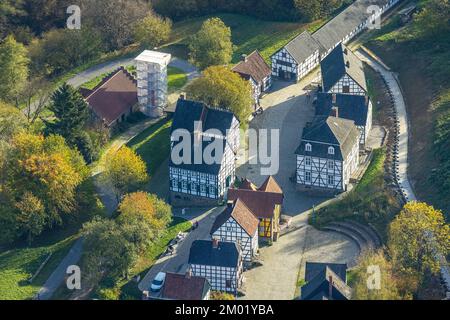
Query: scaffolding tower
x=151, y=69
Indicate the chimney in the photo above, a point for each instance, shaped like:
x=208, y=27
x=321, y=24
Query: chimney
x=330, y=288
x=333, y=98
x=215, y=243
x=182, y=96
x=334, y=112
x=345, y=51
x=347, y=64
x=244, y=58
x=367, y=99
x=188, y=273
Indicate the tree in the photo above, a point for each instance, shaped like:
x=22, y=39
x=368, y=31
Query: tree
x=31, y=217
x=387, y=290
x=415, y=236
x=309, y=10
x=152, y=30
x=116, y=19
x=218, y=295
x=211, y=45
x=433, y=19
x=71, y=113
x=36, y=94
x=125, y=170
x=13, y=69
x=10, y=12
x=222, y=88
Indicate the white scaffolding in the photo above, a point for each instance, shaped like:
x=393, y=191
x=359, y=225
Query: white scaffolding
x=151, y=69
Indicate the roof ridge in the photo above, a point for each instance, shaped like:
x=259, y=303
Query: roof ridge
x=105, y=80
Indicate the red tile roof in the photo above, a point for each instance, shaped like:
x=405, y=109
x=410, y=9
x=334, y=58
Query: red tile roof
x=241, y=214
x=114, y=96
x=183, y=287
x=254, y=66
x=270, y=185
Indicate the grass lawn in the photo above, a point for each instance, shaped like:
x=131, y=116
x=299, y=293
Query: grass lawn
x=248, y=34
x=152, y=144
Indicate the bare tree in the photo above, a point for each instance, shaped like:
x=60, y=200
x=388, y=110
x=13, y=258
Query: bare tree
x=36, y=94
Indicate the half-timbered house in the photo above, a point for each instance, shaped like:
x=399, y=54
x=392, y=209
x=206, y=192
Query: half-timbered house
x=353, y=107
x=265, y=202
x=219, y=262
x=238, y=224
x=342, y=72
x=254, y=69
x=194, y=182
x=328, y=154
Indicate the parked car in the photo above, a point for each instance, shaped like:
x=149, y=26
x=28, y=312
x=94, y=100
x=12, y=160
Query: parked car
x=158, y=282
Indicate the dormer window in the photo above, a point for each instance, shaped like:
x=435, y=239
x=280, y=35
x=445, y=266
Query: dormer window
x=330, y=150
x=308, y=147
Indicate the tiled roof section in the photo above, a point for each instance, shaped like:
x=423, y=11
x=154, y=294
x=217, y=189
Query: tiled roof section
x=247, y=184
x=345, y=22
x=312, y=269
x=261, y=203
x=186, y=114
x=254, y=66
x=184, y=287
x=241, y=214
x=318, y=287
x=202, y=252
x=114, y=96
x=270, y=185
x=337, y=63
x=302, y=46
x=327, y=131
x=352, y=107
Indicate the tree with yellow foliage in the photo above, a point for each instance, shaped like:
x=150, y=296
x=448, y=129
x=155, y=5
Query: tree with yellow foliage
x=125, y=171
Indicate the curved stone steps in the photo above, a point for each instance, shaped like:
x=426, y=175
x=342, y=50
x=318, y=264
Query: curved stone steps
x=370, y=231
x=356, y=231
x=360, y=242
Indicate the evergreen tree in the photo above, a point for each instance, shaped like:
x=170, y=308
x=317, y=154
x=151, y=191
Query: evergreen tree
x=71, y=113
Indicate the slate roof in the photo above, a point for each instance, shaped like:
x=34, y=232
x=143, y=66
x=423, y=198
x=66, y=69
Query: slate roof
x=317, y=288
x=260, y=202
x=202, y=252
x=345, y=22
x=113, y=96
x=254, y=66
x=184, y=287
x=241, y=214
x=329, y=131
x=337, y=63
x=312, y=269
x=352, y=107
x=302, y=46
x=186, y=113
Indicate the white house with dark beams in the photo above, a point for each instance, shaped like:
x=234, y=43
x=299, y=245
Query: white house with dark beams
x=353, y=107
x=202, y=183
x=342, y=72
x=219, y=262
x=297, y=58
x=328, y=155
x=254, y=69
x=238, y=224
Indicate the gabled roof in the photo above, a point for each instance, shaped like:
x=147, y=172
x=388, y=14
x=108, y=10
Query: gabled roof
x=352, y=107
x=345, y=22
x=202, y=252
x=312, y=269
x=270, y=185
x=318, y=287
x=241, y=214
x=337, y=63
x=302, y=46
x=184, y=287
x=261, y=203
x=326, y=131
x=113, y=96
x=186, y=114
x=247, y=184
x=254, y=66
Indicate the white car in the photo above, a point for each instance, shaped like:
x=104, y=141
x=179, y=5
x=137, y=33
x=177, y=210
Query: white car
x=158, y=282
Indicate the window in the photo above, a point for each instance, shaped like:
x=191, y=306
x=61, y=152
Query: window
x=202, y=188
x=330, y=164
x=212, y=190
x=194, y=187
x=184, y=184
x=174, y=183
x=308, y=147
x=307, y=161
x=330, y=150
x=228, y=283
x=346, y=89
x=308, y=176
x=330, y=179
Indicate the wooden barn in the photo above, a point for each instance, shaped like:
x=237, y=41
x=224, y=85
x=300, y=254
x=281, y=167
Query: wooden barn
x=342, y=72
x=238, y=224
x=265, y=202
x=195, y=182
x=352, y=107
x=328, y=155
x=254, y=69
x=219, y=262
